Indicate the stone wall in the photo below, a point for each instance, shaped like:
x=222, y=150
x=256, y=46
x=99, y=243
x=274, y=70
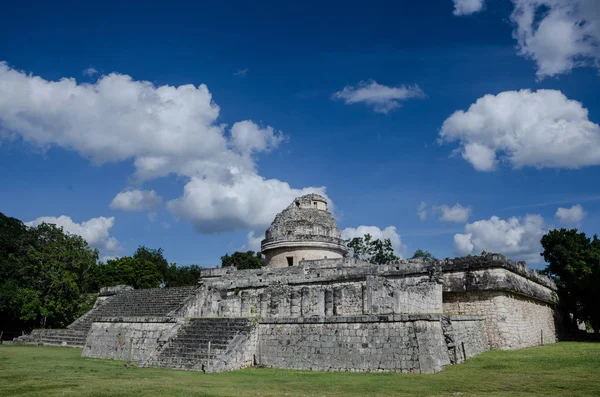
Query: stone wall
x=129, y=338
x=376, y=295
x=465, y=337
x=497, y=279
x=398, y=343
x=278, y=257
x=513, y=321
x=318, y=288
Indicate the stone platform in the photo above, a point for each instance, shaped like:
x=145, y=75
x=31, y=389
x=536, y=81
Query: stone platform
x=330, y=314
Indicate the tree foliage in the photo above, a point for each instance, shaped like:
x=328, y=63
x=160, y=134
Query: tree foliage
x=425, y=255
x=374, y=251
x=574, y=262
x=44, y=274
x=243, y=260
x=47, y=276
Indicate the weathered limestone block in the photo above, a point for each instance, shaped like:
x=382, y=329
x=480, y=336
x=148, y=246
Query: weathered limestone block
x=465, y=336
x=432, y=347
x=279, y=300
x=129, y=339
x=512, y=321
x=313, y=301
x=401, y=343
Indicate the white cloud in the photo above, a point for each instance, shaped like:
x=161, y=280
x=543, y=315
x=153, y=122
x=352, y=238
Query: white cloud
x=163, y=130
x=558, y=35
x=247, y=201
x=542, y=129
x=253, y=241
x=90, y=72
x=376, y=233
x=517, y=238
x=463, y=244
x=136, y=200
x=422, y=211
x=247, y=137
x=241, y=72
x=114, y=119
x=456, y=214
x=481, y=157
x=467, y=7
x=95, y=231
x=572, y=215
x=381, y=98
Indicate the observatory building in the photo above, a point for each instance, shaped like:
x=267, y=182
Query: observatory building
x=305, y=230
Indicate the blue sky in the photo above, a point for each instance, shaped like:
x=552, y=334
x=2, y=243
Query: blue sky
x=354, y=102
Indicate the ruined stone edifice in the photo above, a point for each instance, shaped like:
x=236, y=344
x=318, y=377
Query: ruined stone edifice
x=303, y=231
x=314, y=308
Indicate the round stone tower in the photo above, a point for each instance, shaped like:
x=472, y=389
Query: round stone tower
x=304, y=230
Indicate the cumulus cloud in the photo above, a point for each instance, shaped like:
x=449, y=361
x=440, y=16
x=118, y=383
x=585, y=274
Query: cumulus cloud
x=376, y=233
x=422, y=211
x=570, y=216
x=517, y=238
x=467, y=7
x=481, y=157
x=163, y=130
x=253, y=240
x=456, y=214
x=114, y=119
x=136, y=200
x=558, y=35
x=90, y=72
x=247, y=137
x=247, y=201
x=381, y=98
x=542, y=129
x=95, y=231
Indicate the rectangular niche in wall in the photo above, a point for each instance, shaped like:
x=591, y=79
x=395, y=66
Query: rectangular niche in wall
x=290, y=260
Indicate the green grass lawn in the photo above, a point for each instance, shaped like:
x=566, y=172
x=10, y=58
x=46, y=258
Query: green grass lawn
x=565, y=369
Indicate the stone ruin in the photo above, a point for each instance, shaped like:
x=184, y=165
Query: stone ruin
x=314, y=308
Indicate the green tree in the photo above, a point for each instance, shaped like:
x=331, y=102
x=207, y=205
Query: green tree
x=374, y=251
x=425, y=255
x=183, y=275
x=147, y=268
x=243, y=260
x=574, y=262
x=13, y=238
x=154, y=256
x=45, y=273
x=136, y=272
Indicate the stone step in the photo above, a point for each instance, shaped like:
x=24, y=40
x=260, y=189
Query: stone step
x=56, y=337
x=61, y=333
x=189, y=349
x=201, y=342
x=50, y=339
x=154, y=302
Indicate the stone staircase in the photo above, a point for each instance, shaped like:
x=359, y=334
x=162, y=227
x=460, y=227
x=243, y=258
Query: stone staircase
x=152, y=302
x=209, y=345
x=53, y=337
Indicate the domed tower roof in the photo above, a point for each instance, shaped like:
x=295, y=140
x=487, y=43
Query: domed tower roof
x=306, y=222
